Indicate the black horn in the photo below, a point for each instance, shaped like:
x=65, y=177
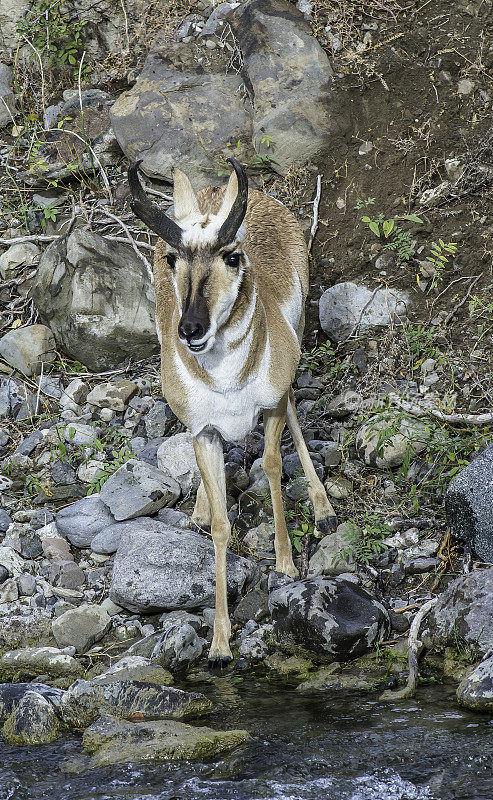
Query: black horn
x=229, y=228
x=149, y=212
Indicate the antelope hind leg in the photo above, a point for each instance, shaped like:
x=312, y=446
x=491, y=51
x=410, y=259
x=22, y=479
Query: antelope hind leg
x=325, y=516
x=274, y=422
x=210, y=460
x=202, y=511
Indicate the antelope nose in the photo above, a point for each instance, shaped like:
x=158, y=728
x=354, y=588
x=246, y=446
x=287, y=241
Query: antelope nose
x=190, y=329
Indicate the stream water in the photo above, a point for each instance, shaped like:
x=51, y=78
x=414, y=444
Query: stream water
x=325, y=747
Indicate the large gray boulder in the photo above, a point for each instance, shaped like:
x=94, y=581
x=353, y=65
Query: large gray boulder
x=290, y=83
x=469, y=505
x=347, y=307
x=463, y=614
x=181, y=113
x=331, y=617
x=159, y=568
x=12, y=693
x=189, y=103
x=97, y=299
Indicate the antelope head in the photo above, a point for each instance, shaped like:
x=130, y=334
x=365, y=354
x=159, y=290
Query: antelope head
x=204, y=253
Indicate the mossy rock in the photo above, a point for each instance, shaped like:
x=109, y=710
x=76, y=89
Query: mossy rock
x=112, y=741
x=33, y=721
x=289, y=666
x=337, y=678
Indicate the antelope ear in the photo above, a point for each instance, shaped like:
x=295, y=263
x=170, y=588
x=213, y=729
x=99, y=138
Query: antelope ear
x=184, y=200
x=230, y=196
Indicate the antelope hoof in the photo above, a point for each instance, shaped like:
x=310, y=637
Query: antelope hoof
x=219, y=664
x=323, y=525
x=288, y=569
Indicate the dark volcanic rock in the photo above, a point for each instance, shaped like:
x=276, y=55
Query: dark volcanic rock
x=329, y=616
x=469, y=505
x=12, y=693
x=476, y=690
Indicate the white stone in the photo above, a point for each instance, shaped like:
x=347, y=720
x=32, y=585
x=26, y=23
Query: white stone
x=176, y=457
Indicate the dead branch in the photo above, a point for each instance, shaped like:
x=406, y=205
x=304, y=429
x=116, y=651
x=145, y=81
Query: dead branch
x=453, y=419
x=316, y=204
x=413, y=644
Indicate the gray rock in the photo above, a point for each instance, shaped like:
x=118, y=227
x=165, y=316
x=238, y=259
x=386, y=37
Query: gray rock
x=328, y=558
x=81, y=521
x=386, y=440
x=33, y=721
x=115, y=742
x=41, y=660
x=135, y=668
x=28, y=444
x=158, y=419
x=174, y=518
x=261, y=538
x=346, y=306
x=469, y=504
x=203, y=110
x=161, y=568
x=107, y=541
x=5, y=520
x=26, y=585
x=4, y=573
x=343, y=404
x=77, y=433
x=74, y=394
x=17, y=402
x=254, y=605
x=17, y=255
x=114, y=394
x=338, y=487
x=98, y=300
x=463, y=614
x=292, y=98
x=85, y=701
x=257, y=645
x=9, y=592
x=27, y=348
x=81, y=627
x=327, y=616
x=66, y=574
x=475, y=691
x=62, y=473
x=7, y=109
x=178, y=646
x=137, y=489
x=12, y=693
x=176, y=458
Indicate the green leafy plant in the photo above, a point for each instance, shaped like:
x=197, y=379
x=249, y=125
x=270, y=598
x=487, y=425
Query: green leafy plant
x=57, y=33
x=439, y=257
x=395, y=237
x=119, y=457
x=298, y=534
x=365, y=539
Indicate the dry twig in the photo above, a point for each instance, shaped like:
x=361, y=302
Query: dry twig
x=412, y=646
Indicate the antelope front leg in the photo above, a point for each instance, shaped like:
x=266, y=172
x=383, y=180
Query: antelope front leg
x=202, y=511
x=325, y=516
x=274, y=422
x=210, y=460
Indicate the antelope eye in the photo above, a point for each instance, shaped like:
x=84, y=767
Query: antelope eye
x=171, y=260
x=232, y=260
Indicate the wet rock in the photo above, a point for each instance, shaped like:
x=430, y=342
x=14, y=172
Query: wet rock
x=114, y=394
x=293, y=99
x=17, y=255
x=347, y=306
x=475, y=691
x=25, y=349
x=178, y=645
x=463, y=614
x=469, y=503
x=327, y=616
x=386, y=440
x=97, y=298
x=176, y=458
x=85, y=701
x=162, y=568
x=328, y=558
x=254, y=605
x=135, y=668
x=12, y=693
x=41, y=660
x=331, y=680
x=137, y=489
x=32, y=721
x=116, y=742
x=81, y=627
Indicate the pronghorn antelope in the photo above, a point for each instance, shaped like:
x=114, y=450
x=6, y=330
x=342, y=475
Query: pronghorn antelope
x=231, y=278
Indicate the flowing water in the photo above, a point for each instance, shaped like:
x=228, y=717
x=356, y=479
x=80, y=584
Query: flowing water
x=324, y=747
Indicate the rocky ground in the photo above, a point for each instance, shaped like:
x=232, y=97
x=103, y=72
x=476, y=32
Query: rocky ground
x=106, y=589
